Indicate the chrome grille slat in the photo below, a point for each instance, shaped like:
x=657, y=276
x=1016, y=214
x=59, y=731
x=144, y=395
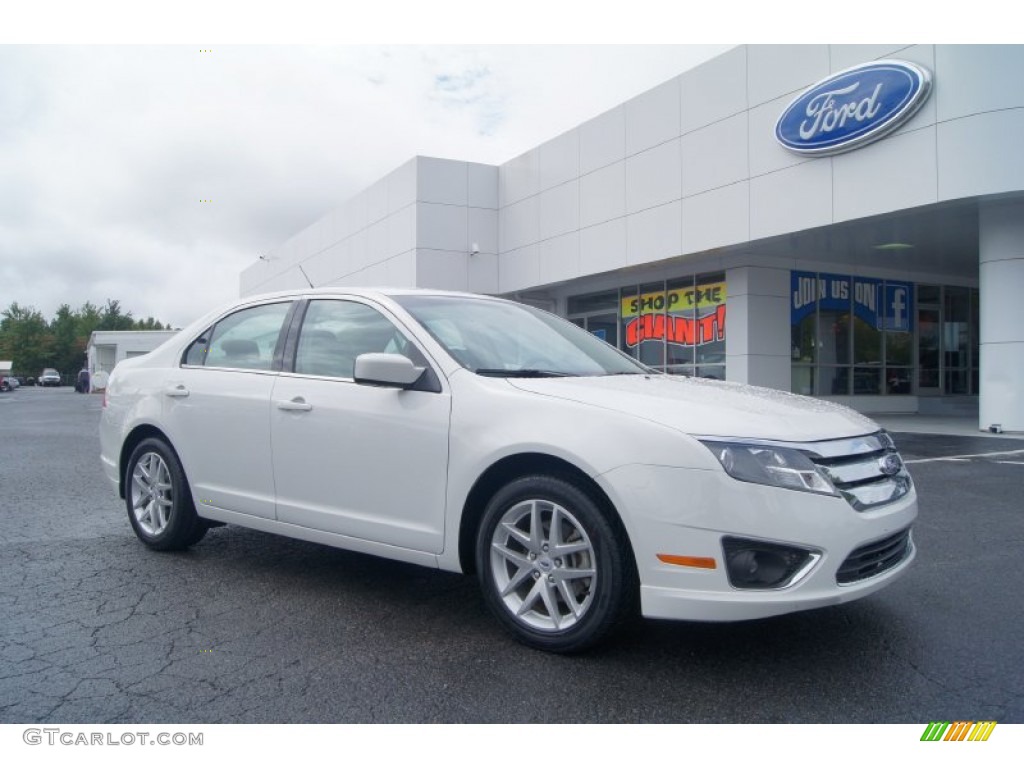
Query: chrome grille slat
x=859, y=475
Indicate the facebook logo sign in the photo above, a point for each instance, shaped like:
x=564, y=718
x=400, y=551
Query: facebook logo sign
x=898, y=306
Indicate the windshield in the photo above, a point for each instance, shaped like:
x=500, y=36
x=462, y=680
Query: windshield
x=502, y=338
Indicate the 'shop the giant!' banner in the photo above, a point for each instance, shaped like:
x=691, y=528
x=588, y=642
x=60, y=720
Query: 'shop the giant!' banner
x=693, y=315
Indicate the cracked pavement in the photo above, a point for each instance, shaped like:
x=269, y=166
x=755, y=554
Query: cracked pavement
x=249, y=628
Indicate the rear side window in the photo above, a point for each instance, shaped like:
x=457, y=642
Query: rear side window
x=246, y=339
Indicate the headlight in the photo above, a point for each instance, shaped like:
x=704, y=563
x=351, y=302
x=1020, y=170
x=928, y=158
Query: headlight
x=770, y=465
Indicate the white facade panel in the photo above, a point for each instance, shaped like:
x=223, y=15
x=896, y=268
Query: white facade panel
x=603, y=194
x=402, y=186
x=357, y=213
x=559, y=209
x=519, y=178
x=766, y=155
x=714, y=91
x=856, y=174
x=777, y=70
x=482, y=273
x=399, y=270
x=326, y=265
x=792, y=199
x=519, y=224
x=715, y=156
x=846, y=56
x=519, y=269
x=981, y=154
x=377, y=241
x=925, y=116
x=444, y=270
x=971, y=79
x=359, y=254
x=759, y=281
x=762, y=317
x=652, y=118
x=483, y=229
x=482, y=181
x=560, y=258
x=653, y=177
x=654, y=234
x=715, y=218
x=442, y=227
x=559, y=160
x=402, y=230
x=442, y=181
x=602, y=140
x=603, y=247
x=377, y=202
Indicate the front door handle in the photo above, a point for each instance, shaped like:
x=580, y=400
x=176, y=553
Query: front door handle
x=178, y=391
x=295, y=404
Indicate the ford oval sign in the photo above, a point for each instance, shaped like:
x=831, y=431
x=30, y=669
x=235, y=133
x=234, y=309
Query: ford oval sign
x=853, y=107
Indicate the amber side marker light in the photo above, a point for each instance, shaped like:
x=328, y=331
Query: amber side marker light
x=689, y=562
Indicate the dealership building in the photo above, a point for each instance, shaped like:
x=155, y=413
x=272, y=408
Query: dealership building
x=841, y=221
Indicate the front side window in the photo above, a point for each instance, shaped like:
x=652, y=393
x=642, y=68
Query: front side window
x=334, y=333
x=245, y=339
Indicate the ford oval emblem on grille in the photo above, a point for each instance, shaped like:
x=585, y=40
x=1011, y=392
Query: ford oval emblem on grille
x=854, y=107
x=890, y=464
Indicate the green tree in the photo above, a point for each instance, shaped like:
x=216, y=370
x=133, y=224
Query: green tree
x=113, y=319
x=25, y=339
x=68, y=344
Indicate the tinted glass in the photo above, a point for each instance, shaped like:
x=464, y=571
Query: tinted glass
x=499, y=337
x=246, y=339
x=334, y=333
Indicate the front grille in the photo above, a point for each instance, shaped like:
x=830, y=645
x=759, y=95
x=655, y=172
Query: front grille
x=867, y=471
x=874, y=558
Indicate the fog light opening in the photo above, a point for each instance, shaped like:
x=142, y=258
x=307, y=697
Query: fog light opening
x=763, y=565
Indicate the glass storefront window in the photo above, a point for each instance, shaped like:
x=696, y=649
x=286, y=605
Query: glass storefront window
x=677, y=326
x=854, y=335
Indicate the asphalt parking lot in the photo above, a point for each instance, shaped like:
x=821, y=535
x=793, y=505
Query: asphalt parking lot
x=249, y=627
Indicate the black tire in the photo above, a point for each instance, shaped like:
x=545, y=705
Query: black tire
x=155, y=483
x=548, y=570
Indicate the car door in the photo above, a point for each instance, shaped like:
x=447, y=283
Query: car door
x=217, y=409
x=364, y=461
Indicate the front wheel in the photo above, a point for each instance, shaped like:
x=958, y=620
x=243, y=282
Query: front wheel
x=158, y=499
x=555, y=568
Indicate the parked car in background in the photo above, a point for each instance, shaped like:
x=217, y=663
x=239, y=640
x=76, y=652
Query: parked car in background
x=49, y=378
x=8, y=383
x=480, y=435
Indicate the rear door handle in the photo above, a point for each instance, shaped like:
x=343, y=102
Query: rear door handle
x=295, y=404
x=178, y=391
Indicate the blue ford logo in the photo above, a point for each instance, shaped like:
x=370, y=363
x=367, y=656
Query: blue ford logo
x=853, y=107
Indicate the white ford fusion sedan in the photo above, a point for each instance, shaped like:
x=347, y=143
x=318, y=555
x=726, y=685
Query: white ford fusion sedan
x=479, y=435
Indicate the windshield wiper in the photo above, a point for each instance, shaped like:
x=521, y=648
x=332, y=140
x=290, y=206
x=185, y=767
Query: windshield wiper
x=520, y=373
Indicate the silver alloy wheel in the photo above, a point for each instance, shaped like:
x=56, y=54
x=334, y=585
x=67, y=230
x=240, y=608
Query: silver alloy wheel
x=543, y=565
x=152, y=493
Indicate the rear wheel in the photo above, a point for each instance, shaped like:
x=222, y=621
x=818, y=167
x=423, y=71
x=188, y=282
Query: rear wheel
x=158, y=499
x=555, y=568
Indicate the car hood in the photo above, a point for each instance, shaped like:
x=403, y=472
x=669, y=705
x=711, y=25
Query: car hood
x=709, y=408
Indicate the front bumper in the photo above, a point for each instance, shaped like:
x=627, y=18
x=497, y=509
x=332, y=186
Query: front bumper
x=687, y=513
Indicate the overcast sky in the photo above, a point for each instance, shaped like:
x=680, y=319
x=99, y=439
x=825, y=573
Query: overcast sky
x=106, y=152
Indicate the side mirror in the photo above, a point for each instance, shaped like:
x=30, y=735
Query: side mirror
x=386, y=370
